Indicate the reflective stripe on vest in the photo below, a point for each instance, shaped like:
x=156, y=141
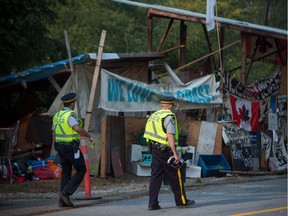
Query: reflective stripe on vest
x=63, y=132
x=154, y=127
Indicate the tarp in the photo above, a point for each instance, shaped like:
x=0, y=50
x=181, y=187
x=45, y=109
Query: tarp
x=84, y=76
x=47, y=70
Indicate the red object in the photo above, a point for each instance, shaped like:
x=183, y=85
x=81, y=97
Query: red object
x=20, y=179
x=245, y=113
x=84, y=149
x=43, y=173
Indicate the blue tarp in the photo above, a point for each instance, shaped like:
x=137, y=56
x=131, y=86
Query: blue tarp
x=45, y=71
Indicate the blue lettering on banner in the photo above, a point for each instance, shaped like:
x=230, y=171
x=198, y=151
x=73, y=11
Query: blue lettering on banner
x=135, y=93
x=198, y=94
x=115, y=90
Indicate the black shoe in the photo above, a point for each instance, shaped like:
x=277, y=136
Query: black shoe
x=65, y=198
x=189, y=203
x=151, y=208
x=61, y=203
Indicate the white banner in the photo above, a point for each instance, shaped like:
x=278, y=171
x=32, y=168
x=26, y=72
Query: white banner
x=122, y=94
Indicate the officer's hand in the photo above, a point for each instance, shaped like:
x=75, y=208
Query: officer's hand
x=91, y=139
x=176, y=158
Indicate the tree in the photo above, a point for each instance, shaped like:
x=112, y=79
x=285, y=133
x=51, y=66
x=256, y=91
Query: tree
x=24, y=37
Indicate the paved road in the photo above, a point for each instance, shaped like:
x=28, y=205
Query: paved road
x=266, y=198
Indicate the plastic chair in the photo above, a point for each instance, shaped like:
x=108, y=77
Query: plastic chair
x=8, y=139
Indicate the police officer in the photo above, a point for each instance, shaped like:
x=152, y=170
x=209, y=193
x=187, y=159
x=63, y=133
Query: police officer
x=66, y=131
x=161, y=132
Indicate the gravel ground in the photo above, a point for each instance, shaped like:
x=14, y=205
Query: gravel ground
x=103, y=187
x=49, y=188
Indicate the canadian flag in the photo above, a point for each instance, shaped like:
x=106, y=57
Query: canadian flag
x=245, y=113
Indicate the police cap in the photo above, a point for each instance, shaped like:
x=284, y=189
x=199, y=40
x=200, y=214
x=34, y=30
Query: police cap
x=68, y=98
x=167, y=100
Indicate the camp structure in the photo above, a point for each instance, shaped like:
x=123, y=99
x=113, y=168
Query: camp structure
x=229, y=134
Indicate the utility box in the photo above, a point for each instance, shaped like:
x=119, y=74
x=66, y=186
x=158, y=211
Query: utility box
x=211, y=164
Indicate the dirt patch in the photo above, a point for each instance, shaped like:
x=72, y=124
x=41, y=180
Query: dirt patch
x=52, y=185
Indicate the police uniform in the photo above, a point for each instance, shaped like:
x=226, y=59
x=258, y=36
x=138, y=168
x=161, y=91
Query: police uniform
x=158, y=125
x=67, y=146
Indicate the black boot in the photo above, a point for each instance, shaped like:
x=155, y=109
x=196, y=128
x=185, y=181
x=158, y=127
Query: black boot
x=61, y=203
x=65, y=198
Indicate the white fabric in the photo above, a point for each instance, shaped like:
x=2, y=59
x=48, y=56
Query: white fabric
x=210, y=23
x=123, y=94
x=84, y=75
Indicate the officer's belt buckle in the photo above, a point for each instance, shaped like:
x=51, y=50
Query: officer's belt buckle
x=160, y=146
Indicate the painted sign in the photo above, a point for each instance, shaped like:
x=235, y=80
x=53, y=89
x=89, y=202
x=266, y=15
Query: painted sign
x=126, y=95
x=240, y=146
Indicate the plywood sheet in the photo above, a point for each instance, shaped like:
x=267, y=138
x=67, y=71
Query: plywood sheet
x=194, y=132
x=206, y=139
x=116, y=162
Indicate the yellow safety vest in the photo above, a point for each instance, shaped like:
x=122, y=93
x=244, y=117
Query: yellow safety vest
x=63, y=132
x=154, y=129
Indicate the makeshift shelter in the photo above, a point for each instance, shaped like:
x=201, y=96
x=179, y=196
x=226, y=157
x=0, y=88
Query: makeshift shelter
x=256, y=43
x=135, y=67
x=123, y=68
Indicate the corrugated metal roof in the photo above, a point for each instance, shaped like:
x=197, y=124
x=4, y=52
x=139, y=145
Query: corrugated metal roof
x=203, y=16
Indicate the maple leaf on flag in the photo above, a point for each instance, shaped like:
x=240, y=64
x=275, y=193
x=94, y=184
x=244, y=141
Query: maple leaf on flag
x=244, y=113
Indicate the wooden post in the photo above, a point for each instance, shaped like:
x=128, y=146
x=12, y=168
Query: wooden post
x=74, y=84
x=94, y=82
x=103, y=147
x=182, y=51
x=243, y=63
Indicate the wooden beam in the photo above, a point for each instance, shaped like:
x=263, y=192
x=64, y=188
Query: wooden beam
x=103, y=147
x=243, y=28
x=262, y=57
x=74, y=84
x=221, y=56
x=150, y=33
x=252, y=59
x=95, y=80
x=54, y=83
x=203, y=57
x=172, y=49
x=165, y=35
x=209, y=43
x=182, y=51
x=243, y=62
x=73, y=75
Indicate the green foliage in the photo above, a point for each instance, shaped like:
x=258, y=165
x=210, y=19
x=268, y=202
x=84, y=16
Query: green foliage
x=25, y=40
x=32, y=31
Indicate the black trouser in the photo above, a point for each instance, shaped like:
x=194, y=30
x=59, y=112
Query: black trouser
x=70, y=156
x=159, y=168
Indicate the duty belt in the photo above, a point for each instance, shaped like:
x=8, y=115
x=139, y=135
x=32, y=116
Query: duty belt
x=159, y=146
x=73, y=143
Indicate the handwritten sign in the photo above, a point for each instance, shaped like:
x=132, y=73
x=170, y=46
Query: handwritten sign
x=241, y=156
